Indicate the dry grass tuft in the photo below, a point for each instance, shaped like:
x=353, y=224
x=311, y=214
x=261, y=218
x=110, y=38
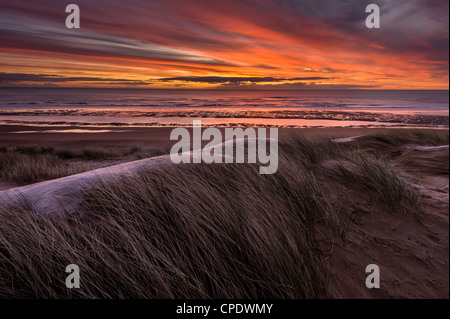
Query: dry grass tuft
x=198, y=231
x=31, y=164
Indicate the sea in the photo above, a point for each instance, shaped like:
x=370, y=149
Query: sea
x=141, y=107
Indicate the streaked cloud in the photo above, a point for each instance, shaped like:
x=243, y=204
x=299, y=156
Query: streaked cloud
x=12, y=78
x=212, y=43
x=236, y=79
x=40, y=35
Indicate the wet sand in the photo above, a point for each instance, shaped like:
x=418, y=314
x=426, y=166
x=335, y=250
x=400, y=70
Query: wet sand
x=14, y=135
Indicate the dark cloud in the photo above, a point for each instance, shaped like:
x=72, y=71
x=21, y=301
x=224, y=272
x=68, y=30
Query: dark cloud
x=262, y=66
x=236, y=79
x=413, y=27
x=310, y=86
x=324, y=70
x=12, y=78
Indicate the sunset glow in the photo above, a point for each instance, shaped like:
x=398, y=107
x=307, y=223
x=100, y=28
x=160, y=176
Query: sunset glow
x=225, y=44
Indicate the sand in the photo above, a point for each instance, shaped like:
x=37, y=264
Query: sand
x=62, y=195
x=151, y=136
x=411, y=250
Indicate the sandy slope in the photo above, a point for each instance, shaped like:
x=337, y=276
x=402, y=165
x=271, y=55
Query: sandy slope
x=61, y=195
x=412, y=249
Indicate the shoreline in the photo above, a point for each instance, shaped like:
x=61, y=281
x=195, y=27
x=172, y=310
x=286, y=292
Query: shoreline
x=227, y=116
x=112, y=136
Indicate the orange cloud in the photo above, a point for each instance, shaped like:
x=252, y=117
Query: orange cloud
x=139, y=43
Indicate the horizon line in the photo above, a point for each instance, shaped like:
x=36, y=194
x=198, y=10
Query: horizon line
x=210, y=89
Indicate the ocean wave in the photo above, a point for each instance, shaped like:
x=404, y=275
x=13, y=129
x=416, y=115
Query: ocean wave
x=127, y=116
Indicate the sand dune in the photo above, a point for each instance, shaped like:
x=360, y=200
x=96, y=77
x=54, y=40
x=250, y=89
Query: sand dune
x=411, y=249
x=60, y=195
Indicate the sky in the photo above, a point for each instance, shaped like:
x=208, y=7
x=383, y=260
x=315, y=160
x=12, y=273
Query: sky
x=225, y=44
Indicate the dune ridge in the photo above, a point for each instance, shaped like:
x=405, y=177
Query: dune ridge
x=60, y=195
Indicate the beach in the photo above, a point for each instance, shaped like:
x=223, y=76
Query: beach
x=407, y=237
x=362, y=179
x=120, y=140
x=111, y=136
